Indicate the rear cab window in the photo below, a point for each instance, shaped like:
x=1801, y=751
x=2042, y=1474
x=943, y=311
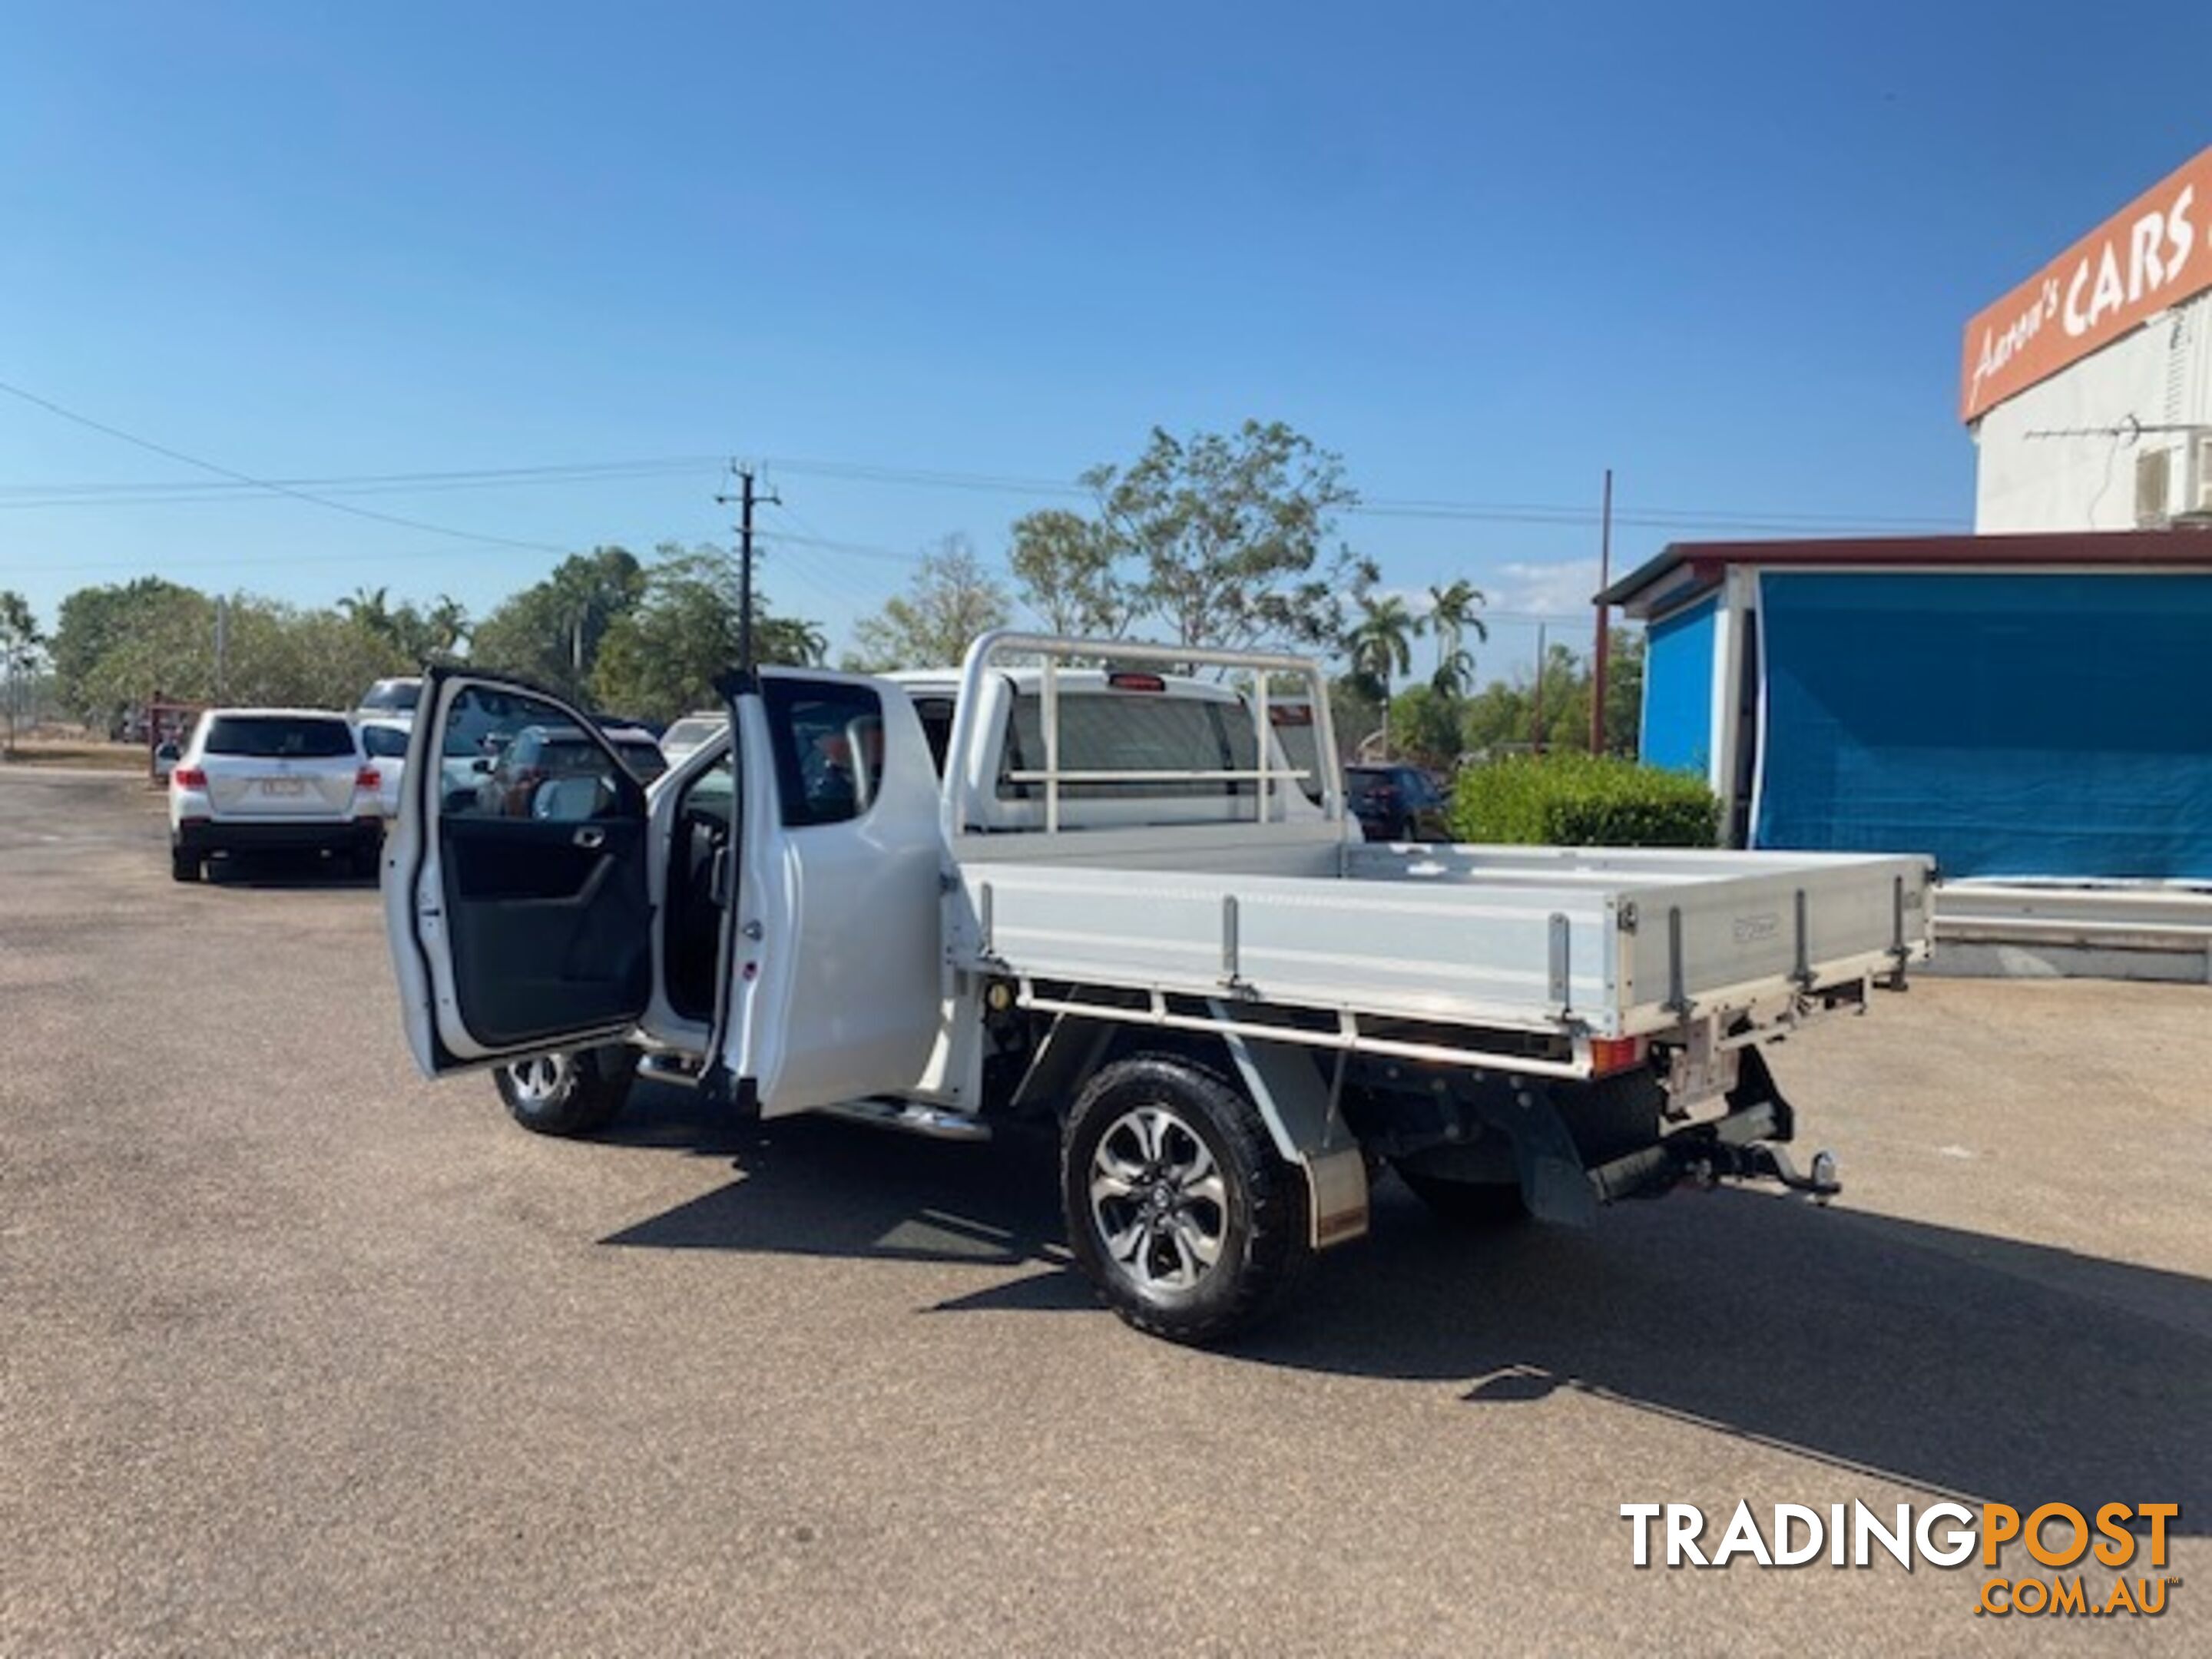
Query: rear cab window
x=1105, y=730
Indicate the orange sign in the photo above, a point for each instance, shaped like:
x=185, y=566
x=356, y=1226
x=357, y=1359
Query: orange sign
x=2154, y=253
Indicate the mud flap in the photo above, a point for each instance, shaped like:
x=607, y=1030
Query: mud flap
x=1298, y=1104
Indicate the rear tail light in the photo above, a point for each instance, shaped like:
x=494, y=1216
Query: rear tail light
x=1124, y=681
x=367, y=780
x=189, y=777
x=1609, y=1054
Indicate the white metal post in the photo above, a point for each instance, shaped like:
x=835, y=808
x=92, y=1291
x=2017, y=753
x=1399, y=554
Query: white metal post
x=1049, y=708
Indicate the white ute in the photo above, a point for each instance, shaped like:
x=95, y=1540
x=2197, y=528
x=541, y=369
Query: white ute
x=1030, y=890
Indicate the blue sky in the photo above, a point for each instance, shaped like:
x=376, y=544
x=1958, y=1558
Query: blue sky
x=1483, y=252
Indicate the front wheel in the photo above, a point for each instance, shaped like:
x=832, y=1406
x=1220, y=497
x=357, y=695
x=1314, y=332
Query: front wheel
x=578, y=1092
x=1179, y=1208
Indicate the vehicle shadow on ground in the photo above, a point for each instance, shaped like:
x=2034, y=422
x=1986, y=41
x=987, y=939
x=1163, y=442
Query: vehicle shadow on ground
x=279, y=871
x=1953, y=1361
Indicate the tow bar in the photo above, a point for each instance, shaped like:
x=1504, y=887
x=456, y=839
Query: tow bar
x=1734, y=1149
x=1760, y=1162
x=1737, y=1147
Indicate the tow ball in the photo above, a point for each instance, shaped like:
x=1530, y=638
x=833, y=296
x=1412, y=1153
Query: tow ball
x=1757, y=1161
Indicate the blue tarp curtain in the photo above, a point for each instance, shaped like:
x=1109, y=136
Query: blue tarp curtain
x=2011, y=725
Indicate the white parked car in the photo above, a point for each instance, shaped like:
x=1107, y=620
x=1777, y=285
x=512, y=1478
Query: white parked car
x=692, y=733
x=252, y=779
x=384, y=746
x=390, y=700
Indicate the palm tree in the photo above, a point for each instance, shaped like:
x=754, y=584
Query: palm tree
x=448, y=623
x=366, y=608
x=1451, y=613
x=1379, y=647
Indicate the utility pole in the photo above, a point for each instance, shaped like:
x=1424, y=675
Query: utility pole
x=1536, y=736
x=746, y=501
x=1604, y=647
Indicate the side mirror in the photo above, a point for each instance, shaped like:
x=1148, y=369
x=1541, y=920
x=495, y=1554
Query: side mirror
x=480, y=767
x=167, y=753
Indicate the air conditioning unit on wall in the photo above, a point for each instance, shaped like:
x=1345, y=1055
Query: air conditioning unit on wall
x=2196, y=496
x=2154, y=487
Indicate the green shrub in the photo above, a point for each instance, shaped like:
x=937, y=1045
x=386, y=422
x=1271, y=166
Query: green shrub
x=1572, y=800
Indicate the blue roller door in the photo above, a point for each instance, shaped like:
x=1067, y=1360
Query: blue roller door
x=2014, y=724
x=1678, y=688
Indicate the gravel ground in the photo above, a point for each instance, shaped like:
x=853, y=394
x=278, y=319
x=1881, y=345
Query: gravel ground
x=300, y=1353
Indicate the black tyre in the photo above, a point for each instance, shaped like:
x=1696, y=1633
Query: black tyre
x=1467, y=1203
x=578, y=1092
x=183, y=865
x=367, y=862
x=1179, y=1208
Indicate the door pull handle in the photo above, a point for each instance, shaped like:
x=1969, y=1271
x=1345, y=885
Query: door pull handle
x=591, y=837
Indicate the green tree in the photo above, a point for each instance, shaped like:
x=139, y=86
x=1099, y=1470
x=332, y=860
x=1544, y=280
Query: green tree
x=552, y=633
x=368, y=610
x=1379, y=648
x=1624, y=694
x=414, y=634
x=951, y=601
x=120, y=648
x=1217, y=539
x=321, y=658
x=1504, y=719
x=103, y=655
x=661, y=657
x=1425, y=726
x=445, y=626
x=21, y=645
x=1452, y=609
x=1067, y=568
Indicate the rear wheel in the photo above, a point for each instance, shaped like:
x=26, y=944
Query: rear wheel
x=183, y=865
x=1179, y=1208
x=578, y=1092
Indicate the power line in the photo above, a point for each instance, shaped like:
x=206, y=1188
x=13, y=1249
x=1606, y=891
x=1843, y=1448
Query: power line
x=1501, y=512
x=140, y=494
x=234, y=484
x=231, y=473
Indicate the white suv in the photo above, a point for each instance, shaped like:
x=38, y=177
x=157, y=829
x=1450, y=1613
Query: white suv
x=255, y=778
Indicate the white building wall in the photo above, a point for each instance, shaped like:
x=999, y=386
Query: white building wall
x=2160, y=375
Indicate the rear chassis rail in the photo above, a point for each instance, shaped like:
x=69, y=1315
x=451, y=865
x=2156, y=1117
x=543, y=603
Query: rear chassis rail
x=1486, y=1104
x=1573, y=1147
x=1566, y=1053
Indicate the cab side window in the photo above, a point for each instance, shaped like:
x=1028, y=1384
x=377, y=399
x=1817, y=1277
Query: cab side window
x=828, y=742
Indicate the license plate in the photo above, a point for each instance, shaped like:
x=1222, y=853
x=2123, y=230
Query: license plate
x=283, y=785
